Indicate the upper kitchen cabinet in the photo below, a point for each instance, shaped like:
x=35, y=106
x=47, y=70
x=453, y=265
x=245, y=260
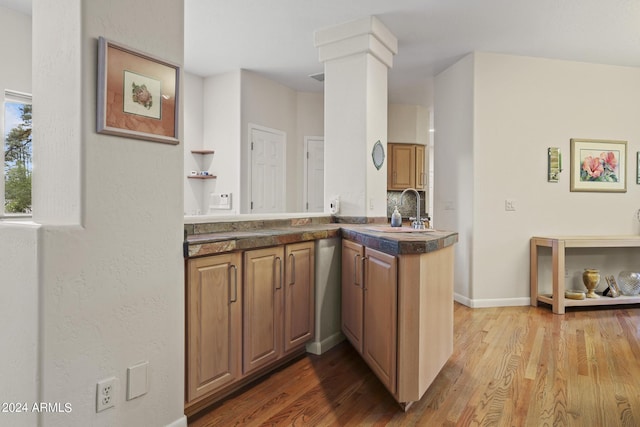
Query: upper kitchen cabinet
x=406, y=166
x=408, y=136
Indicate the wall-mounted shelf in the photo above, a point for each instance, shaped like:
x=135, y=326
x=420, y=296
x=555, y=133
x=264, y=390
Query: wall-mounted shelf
x=201, y=176
x=203, y=152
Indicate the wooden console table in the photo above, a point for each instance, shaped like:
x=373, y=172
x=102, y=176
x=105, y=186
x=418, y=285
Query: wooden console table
x=558, y=244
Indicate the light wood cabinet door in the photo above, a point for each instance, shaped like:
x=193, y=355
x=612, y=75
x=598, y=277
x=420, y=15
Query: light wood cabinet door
x=299, y=295
x=406, y=167
x=381, y=316
x=263, y=295
x=214, y=316
x=421, y=172
x=352, y=293
x=401, y=167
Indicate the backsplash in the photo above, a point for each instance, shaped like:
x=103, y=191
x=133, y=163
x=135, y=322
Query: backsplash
x=408, y=206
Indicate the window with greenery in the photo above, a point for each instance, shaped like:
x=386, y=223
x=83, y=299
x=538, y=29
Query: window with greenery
x=17, y=153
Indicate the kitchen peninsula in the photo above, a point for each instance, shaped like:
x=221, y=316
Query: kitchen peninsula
x=396, y=305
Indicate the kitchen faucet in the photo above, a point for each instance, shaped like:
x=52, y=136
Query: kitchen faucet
x=417, y=222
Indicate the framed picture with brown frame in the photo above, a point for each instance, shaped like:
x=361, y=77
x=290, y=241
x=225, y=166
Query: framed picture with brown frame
x=138, y=94
x=598, y=165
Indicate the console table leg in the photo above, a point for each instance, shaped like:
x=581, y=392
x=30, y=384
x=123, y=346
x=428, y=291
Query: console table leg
x=557, y=271
x=533, y=273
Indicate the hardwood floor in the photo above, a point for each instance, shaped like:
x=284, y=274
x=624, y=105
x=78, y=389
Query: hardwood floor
x=512, y=366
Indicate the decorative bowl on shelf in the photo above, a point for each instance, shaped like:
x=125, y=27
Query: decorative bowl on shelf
x=574, y=294
x=629, y=282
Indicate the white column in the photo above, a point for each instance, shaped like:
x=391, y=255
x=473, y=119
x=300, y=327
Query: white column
x=356, y=56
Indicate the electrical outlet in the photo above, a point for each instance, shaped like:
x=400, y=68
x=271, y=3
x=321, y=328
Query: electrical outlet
x=106, y=394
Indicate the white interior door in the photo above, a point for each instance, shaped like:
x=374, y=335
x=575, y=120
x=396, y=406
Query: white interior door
x=314, y=176
x=267, y=171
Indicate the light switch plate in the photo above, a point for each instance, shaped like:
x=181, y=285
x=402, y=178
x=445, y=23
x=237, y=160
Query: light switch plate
x=220, y=201
x=137, y=380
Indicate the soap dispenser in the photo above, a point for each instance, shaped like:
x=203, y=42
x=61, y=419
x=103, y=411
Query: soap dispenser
x=396, y=218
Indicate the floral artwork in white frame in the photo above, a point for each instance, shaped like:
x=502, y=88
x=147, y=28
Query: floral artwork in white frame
x=598, y=165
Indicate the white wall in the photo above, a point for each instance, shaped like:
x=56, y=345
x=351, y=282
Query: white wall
x=57, y=124
x=228, y=103
x=454, y=166
x=111, y=268
x=309, y=122
x=310, y=114
x=222, y=133
x=377, y=102
x=212, y=122
x=15, y=48
x=408, y=124
x=522, y=106
x=327, y=295
x=193, y=97
x=18, y=249
x=19, y=319
x=355, y=119
x=345, y=150
x=269, y=104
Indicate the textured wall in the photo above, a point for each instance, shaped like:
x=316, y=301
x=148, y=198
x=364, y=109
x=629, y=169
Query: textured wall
x=194, y=189
x=18, y=249
x=15, y=48
x=111, y=267
x=19, y=319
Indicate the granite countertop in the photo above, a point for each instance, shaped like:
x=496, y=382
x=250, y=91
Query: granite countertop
x=234, y=240
x=399, y=243
x=213, y=238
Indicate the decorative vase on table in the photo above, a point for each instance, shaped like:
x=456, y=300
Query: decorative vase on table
x=591, y=279
x=629, y=282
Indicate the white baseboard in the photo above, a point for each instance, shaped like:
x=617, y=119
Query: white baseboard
x=497, y=302
x=180, y=422
x=319, y=347
x=462, y=299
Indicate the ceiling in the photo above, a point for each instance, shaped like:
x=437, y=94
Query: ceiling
x=275, y=37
